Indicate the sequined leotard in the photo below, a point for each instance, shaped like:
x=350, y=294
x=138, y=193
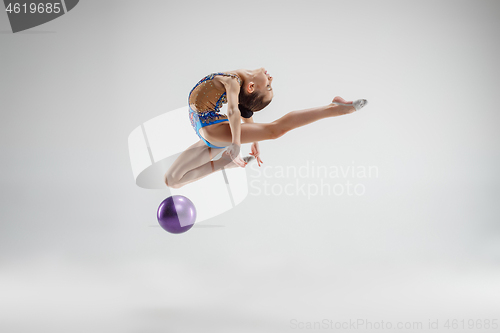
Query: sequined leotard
x=205, y=101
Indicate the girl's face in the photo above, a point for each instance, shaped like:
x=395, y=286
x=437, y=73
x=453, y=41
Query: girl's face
x=263, y=82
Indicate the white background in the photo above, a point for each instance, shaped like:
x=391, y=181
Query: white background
x=80, y=247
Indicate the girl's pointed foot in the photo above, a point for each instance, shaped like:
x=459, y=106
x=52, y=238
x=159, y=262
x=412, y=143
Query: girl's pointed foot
x=339, y=99
x=248, y=159
x=358, y=104
x=228, y=163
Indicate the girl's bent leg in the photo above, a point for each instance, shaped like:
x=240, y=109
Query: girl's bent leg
x=194, y=156
x=206, y=169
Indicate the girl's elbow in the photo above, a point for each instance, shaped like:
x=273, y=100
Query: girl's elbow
x=233, y=112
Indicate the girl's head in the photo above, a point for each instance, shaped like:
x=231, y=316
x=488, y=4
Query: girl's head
x=256, y=92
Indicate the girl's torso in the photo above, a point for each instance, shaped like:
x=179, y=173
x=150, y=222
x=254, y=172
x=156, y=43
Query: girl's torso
x=209, y=94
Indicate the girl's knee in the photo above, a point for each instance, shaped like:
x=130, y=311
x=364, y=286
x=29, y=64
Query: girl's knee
x=276, y=131
x=171, y=181
x=173, y=185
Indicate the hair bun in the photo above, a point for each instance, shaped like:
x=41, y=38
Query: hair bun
x=245, y=112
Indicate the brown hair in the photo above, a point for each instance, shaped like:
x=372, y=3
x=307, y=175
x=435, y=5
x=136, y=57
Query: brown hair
x=251, y=102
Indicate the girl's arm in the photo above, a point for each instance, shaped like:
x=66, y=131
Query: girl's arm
x=233, y=112
x=255, y=146
x=234, y=117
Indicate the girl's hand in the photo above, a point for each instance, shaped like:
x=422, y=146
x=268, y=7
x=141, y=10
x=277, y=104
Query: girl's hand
x=233, y=150
x=256, y=152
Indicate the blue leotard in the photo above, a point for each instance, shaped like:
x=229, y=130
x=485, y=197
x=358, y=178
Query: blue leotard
x=205, y=101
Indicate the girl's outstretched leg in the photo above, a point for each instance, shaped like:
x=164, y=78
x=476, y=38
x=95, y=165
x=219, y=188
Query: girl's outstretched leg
x=299, y=118
x=220, y=134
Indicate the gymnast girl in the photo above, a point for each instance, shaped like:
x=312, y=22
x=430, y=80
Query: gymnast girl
x=244, y=92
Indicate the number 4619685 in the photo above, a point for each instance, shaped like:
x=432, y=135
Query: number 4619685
x=33, y=8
